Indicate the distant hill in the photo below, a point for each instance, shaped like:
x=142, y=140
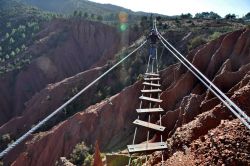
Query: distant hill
x=69, y=6
x=107, y=11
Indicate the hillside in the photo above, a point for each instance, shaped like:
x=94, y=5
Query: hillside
x=19, y=25
x=69, y=6
x=192, y=113
x=88, y=9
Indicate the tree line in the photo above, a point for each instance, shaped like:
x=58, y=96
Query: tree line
x=212, y=15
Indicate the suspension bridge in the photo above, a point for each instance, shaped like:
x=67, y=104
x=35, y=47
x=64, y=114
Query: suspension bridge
x=149, y=102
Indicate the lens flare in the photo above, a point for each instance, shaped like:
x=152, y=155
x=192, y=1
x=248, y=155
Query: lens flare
x=123, y=27
x=123, y=17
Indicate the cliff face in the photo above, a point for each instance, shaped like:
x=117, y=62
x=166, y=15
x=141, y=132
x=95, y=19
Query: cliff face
x=192, y=112
x=62, y=49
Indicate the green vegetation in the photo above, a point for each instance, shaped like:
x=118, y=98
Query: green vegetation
x=230, y=16
x=186, y=16
x=5, y=138
x=248, y=26
x=195, y=42
x=247, y=16
x=86, y=9
x=80, y=155
x=19, y=24
x=137, y=162
x=207, y=15
x=215, y=35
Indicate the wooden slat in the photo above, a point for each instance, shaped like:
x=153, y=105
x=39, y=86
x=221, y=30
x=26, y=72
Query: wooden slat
x=151, y=84
x=152, y=74
x=146, y=110
x=150, y=99
x=151, y=90
x=149, y=125
x=147, y=147
x=152, y=79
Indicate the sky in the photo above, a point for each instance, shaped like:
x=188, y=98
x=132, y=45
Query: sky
x=177, y=7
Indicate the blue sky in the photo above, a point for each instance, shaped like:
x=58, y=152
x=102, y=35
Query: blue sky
x=176, y=7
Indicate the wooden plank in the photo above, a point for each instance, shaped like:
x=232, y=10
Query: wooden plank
x=146, y=110
x=147, y=147
x=150, y=99
x=151, y=90
x=152, y=79
x=149, y=125
x=152, y=74
x=151, y=84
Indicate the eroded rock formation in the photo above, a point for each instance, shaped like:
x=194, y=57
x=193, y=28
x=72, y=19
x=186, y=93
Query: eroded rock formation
x=192, y=112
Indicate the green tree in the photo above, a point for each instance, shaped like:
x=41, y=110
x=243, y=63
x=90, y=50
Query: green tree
x=23, y=35
x=12, y=54
x=17, y=50
x=13, y=31
x=186, y=16
x=21, y=28
x=7, y=56
x=7, y=35
x=86, y=15
x=92, y=16
x=158, y=18
x=144, y=21
x=230, y=16
x=11, y=41
x=202, y=15
x=99, y=18
x=8, y=24
x=213, y=15
x=247, y=16
x=80, y=14
x=23, y=47
x=75, y=13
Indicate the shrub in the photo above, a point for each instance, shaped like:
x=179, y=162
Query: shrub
x=195, y=42
x=88, y=160
x=5, y=138
x=137, y=162
x=215, y=35
x=248, y=26
x=79, y=154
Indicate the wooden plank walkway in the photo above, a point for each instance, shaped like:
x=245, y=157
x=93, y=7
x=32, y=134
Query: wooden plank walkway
x=149, y=110
x=147, y=147
x=149, y=125
x=150, y=99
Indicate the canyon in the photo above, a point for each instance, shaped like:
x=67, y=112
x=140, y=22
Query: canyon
x=194, y=118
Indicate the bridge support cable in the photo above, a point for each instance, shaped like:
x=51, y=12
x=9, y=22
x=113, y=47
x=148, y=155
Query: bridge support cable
x=212, y=87
x=33, y=129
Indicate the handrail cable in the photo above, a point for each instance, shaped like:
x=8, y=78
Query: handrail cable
x=227, y=102
x=33, y=129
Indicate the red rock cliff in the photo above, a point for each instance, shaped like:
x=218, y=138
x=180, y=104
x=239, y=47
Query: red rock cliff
x=191, y=110
x=62, y=49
